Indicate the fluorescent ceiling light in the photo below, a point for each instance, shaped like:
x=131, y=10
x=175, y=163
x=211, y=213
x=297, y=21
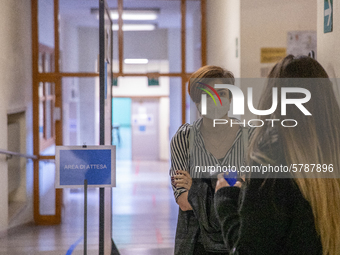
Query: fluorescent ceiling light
x=135, y=27
x=135, y=14
x=136, y=61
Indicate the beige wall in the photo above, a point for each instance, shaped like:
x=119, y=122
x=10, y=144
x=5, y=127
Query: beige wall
x=15, y=79
x=265, y=23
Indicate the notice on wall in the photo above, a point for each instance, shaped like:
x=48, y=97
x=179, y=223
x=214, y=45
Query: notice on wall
x=272, y=55
x=301, y=42
x=143, y=120
x=96, y=164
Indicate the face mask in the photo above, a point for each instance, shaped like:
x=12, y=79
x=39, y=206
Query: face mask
x=216, y=111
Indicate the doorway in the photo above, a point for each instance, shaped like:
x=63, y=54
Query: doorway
x=145, y=129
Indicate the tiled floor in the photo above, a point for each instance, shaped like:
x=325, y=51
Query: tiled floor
x=143, y=220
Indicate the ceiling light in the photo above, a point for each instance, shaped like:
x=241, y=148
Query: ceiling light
x=135, y=14
x=135, y=27
x=136, y=61
x=150, y=14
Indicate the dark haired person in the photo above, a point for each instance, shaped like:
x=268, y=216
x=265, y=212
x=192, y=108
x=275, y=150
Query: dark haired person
x=299, y=214
x=201, y=144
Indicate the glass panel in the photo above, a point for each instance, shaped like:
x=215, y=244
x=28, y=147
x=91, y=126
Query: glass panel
x=48, y=134
x=108, y=79
x=193, y=36
x=46, y=22
x=175, y=105
x=40, y=62
x=46, y=59
x=46, y=118
x=114, y=5
x=80, y=111
x=79, y=40
x=41, y=111
x=41, y=89
x=46, y=187
x=115, y=52
x=159, y=40
x=47, y=88
x=47, y=63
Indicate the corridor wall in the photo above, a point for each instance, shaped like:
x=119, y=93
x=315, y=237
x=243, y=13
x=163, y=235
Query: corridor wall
x=15, y=97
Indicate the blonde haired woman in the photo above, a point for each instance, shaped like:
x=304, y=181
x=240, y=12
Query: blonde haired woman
x=299, y=214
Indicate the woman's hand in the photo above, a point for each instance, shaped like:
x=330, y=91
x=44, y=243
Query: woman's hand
x=221, y=182
x=182, y=179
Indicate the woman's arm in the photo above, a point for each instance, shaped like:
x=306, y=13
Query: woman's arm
x=257, y=226
x=179, y=147
x=226, y=206
x=182, y=179
x=183, y=203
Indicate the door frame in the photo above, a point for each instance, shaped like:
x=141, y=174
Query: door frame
x=56, y=78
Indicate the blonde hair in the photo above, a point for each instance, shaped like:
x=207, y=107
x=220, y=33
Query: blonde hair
x=207, y=72
x=315, y=140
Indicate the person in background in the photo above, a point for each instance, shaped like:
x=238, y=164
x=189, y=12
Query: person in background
x=299, y=214
x=200, y=144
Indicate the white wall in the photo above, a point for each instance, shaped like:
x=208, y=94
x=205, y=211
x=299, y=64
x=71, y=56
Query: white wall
x=15, y=89
x=223, y=28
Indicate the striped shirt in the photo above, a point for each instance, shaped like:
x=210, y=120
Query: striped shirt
x=188, y=151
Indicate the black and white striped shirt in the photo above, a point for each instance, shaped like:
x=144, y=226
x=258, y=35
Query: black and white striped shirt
x=188, y=151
